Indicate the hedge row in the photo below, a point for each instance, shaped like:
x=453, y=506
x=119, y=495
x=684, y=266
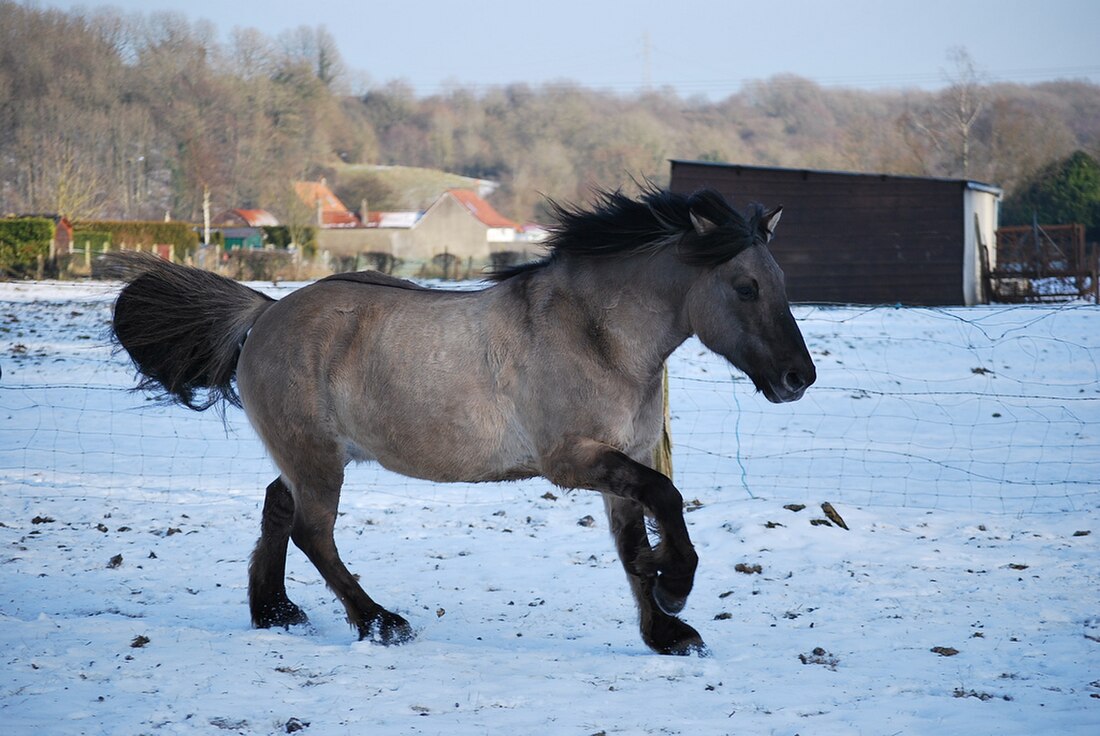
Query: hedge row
x=180, y=234
x=23, y=241
x=280, y=237
x=131, y=233
x=98, y=240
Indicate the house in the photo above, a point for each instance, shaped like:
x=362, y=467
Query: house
x=241, y=228
x=459, y=233
x=329, y=211
x=865, y=238
x=463, y=225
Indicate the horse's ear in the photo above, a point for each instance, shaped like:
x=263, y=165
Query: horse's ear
x=702, y=225
x=769, y=221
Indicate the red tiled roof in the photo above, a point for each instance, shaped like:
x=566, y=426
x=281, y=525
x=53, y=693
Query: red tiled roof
x=339, y=219
x=256, y=218
x=482, y=210
x=333, y=211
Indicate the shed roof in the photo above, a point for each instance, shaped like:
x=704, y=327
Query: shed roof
x=250, y=217
x=806, y=173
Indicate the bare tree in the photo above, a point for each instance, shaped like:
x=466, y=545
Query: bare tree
x=966, y=98
x=316, y=48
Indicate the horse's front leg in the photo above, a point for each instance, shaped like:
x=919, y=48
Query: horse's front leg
x=670, y=567
x=661, y=632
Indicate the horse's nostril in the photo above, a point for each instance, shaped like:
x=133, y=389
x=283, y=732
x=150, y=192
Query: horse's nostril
x=794, y=381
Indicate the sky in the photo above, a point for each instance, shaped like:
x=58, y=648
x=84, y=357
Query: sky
x=710, y=48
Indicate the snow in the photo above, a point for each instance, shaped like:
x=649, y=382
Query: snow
x=960, y=446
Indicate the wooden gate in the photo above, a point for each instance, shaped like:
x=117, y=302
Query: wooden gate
x=1040, y=263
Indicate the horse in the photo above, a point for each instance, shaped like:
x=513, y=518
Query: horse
x=552, y=369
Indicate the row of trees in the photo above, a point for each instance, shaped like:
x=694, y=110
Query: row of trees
x=131, y=116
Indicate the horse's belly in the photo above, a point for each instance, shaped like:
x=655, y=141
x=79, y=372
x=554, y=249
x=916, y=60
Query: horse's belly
x=443, y=468
x=472, y=449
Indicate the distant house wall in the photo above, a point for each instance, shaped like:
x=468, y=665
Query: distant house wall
x=447, y=227
x=863, y=238
x=355, y=241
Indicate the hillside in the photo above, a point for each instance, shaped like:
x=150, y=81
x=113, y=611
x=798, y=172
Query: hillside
x=399, y=187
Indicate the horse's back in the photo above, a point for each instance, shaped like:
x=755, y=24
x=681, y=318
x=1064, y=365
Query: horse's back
x=373, y=278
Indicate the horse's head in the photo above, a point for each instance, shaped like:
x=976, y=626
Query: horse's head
x=739, y=308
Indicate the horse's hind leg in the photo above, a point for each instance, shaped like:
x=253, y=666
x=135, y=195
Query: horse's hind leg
x=316, y=498
x=661, y=632
x=267, y=596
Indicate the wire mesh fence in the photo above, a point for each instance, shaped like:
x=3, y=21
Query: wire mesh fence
x=989, y=408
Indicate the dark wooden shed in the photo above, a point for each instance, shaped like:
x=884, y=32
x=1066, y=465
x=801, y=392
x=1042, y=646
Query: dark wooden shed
x=865, y=238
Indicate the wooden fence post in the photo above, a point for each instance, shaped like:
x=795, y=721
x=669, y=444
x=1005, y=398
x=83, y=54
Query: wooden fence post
x=662, y=453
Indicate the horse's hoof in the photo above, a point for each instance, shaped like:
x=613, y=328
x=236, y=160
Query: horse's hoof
x=669, y=602
x=388, y=629
x=282, y=614
x=674, y=637
x=687, y=649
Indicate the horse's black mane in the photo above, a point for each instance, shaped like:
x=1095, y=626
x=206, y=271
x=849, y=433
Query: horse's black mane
x=618, y=225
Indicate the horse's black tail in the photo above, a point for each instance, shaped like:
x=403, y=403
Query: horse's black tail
x=182, y=327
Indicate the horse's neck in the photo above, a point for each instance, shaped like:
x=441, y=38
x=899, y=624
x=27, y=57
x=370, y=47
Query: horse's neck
x=633, y=311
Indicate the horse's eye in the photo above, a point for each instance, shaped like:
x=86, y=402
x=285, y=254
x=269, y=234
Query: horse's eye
x=747, y=292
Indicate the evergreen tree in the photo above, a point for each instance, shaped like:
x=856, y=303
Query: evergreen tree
x=1064, y=192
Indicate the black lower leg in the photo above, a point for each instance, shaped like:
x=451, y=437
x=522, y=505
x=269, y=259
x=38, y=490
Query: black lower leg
x=370, y=620
x=671, y=565
x=662, y=632
x=267, y=596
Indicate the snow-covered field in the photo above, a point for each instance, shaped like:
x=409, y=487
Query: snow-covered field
x=961, y=447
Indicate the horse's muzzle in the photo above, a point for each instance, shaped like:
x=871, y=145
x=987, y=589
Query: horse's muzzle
x=791, y=385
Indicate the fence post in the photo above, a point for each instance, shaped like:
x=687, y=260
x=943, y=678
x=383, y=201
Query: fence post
x=662, y=453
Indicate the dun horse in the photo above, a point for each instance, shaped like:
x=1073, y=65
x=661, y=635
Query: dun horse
x=554, y=370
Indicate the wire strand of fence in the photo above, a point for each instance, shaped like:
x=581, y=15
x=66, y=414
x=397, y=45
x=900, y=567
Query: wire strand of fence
x=995, y=408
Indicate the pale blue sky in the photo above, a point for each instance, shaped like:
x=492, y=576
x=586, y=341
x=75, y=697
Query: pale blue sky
x=709, y=47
